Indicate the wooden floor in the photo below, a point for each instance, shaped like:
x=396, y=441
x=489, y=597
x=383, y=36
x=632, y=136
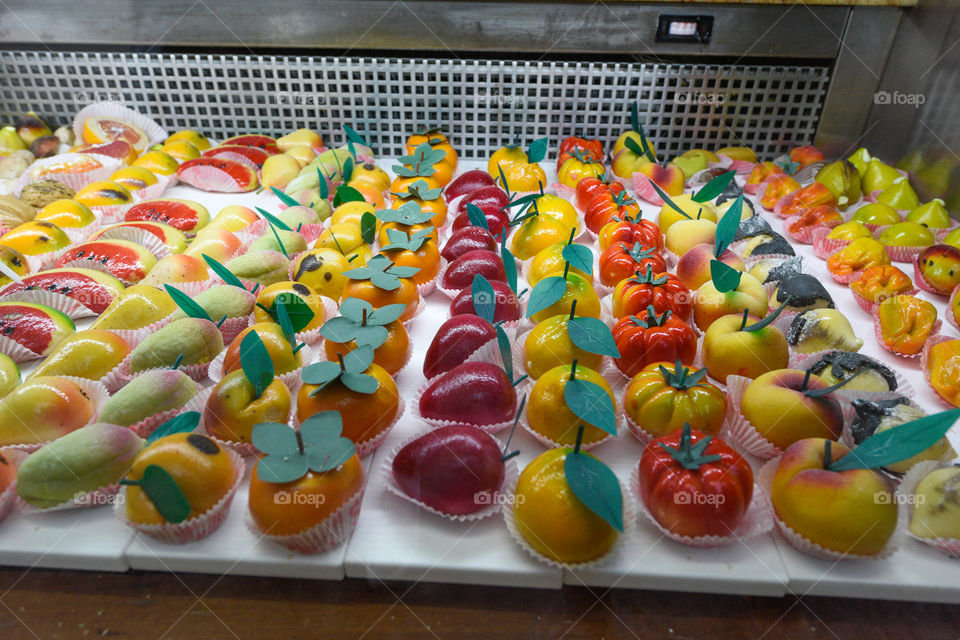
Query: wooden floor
x=64, y=604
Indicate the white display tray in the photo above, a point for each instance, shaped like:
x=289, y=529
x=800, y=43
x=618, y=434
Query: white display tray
x=395, y=540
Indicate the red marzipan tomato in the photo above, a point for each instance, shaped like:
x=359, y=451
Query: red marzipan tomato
x=663, y=291
x=630, y=230
x=588, y=188
x=605, y=205
x=709, y=500
x=654, y=338
x=593, y=147
x=622, y=260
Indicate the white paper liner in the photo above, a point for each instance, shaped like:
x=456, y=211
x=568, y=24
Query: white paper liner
x=511, y=472
x=797, y=541
x=435, y=422
x=324, y=536
x=79, y=235
x=53, y=299
x=117, y=110
x=925, y=364
x=193, y=287
x=756, y=521
x=98, y=397
x=148, y=425
x=42, y=261
x=823, y=246
x=153, y=191
x=142, y=237
x=82, y=500
x=192, y=529
x=309, y=356
x=904, y=501
x=75, y=181
x=629, y=522
x=8, y=498
x=112, y=213
x=906, y=254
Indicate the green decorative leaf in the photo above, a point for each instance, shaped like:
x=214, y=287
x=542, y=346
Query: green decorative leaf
x=256, y=363
x=509, y=264
x=360, y=382
x=297, y=309
x=333, y=454
x=341, y=329
x=225, y=274
x=186, y=303
x=355, y=309
x=484, y=298
x=348, y=164
x=596, y=486
x=274, y=438
x=547, y=292
x=274, y=220
x=353, y=136
x=670, y=203
x=183, y=423
x=346, y=194
x=386, y=314
x=590, y=402
x=282, y=469
x=358, y=360
x=714, y=188
x=321, y=373
x=901, y=442
x=631, y=144
x=522, y=200
x=409, y=213
x=537, y=150
x=725, y=278
x=368, y=227
x=727, y=227
x=593, y=335
x=322, y=185
x=284, y=198
x=283, y=319
x=579, y=256
x=635, y=117
x=165, y=494
x=476, y=216
x=503, y=343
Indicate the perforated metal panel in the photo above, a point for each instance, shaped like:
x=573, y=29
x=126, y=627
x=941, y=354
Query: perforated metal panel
x=484, y=103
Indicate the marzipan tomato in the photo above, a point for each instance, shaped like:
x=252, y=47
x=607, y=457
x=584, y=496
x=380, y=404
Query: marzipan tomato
x=578, y=164
x=695, y=485
x=662, y=397
x=621, y=260
x=593, y=147
x=663, y=291
x=656, y=338
x=606, y=205
x=589, y=187
x=631, y=229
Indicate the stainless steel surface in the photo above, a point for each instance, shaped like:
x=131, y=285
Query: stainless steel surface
x=485, y=103
x=856, y=75
x=795, y=30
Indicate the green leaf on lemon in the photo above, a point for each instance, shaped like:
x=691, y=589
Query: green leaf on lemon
x=725, y=278
x=579, y=256
x=547, y=292
x=593, y=335
x=596, y=486
x=591, y=403
x=256, y=363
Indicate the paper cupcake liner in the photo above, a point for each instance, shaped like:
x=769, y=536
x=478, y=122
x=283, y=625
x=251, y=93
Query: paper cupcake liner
x=940, y=234
x=63, y=303
x=756, y=521
x=904, y=254
x=878, y=332
x=75, y=181
x=804, y=235
x=136, y=336
x=79, y=235
x=739, y=430
x=332, y=532
x=922, y=282
x=802, y=544
x=8, y=498
x=195, y=528
x=231, y=327
x=112, y=213
x=43, y=261
x=16, y=351
x=511, y=472
x=952, y=319
x=144, y=428
x=84, y=500
x=904, y=500
x=629, y=522
x=142, y=237
x=925, y=364
x=436, y=422
x=193, y=287
x=117, y=110
x=824, y=246
x=98, y=397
